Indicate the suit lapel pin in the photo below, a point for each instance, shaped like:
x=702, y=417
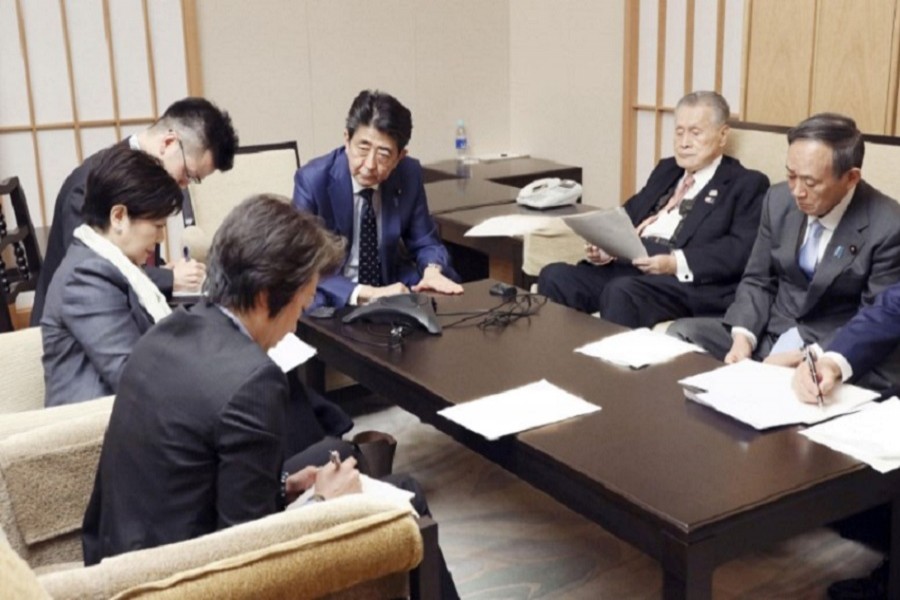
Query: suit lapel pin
x=710, y=199
x=839, y=252
x=853, y=250
x=713, y=193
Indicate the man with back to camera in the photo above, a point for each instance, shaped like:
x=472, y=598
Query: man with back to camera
x=192, y=139
x=372, y=193
x=203, y=448
x=697, y=216
x=828, y=243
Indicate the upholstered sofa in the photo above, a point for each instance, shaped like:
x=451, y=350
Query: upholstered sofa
x=21, y=370
x=352, y=547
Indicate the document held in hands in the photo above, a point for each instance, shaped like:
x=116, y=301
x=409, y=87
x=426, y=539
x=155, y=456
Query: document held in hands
x=533, y=405
x=761, y=396
x=610, y=230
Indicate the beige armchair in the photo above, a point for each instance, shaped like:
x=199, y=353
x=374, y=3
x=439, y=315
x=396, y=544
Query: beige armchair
x=21, y=370
x=352, y=547
x=257, y=169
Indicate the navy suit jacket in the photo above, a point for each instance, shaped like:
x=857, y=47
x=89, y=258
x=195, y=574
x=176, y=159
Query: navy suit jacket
x=323, y=187
x=861, y=260
x=873, y=334
x=716, y=235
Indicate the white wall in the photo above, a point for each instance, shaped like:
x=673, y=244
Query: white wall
x=566, y=74
x=289, y=69
x=544, y=78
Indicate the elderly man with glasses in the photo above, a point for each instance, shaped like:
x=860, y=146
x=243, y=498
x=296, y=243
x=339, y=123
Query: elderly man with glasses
x=372, y=193
x=192, y=139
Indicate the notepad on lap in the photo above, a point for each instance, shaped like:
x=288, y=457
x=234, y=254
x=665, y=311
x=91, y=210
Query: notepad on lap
x=761, y=395
x=372, y=487
x=533, y=405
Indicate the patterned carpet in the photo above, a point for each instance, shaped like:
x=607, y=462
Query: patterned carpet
x=504, y=539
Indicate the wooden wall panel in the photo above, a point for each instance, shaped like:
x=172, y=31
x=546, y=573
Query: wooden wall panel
x=852, y=60
x=780, y=51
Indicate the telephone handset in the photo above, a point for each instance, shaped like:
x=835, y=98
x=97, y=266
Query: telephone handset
x=550, y=192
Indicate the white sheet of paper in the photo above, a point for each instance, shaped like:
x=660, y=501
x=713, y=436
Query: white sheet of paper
x=533, y=405
x=761, y=396
x=509, y=225
x=610, y=230
x=369, y=486
x=638, y=348
x=291, y=352
x=869, y=435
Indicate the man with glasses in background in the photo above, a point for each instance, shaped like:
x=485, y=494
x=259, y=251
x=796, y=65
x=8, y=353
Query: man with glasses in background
x=372, y=193
x=192, y=139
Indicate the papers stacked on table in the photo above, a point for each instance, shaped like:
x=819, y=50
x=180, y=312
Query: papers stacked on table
x=518, y=409
x=510, y=225
x=761, y=396
x=870, y=435
x=638, y=348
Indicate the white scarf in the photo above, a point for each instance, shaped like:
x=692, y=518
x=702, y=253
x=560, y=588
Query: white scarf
x=148, y=294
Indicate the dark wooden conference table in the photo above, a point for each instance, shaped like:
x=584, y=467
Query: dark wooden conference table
x=462, y=195
x=684, y=484
x=504, y=254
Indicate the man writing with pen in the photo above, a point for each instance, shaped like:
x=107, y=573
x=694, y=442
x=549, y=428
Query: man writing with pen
x=865, y=351
x=828, y=243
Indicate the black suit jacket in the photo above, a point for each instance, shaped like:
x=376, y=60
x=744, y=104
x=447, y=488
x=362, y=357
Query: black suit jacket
x=66, y=218
x=194, y=441
x=717, y=233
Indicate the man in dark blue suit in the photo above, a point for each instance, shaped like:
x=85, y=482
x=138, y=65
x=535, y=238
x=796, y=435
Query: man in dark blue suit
x=866, y=350
x=862, y=351
x=372, y=193
x=697, y=216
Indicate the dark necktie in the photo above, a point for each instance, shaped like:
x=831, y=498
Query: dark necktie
x=369, y=259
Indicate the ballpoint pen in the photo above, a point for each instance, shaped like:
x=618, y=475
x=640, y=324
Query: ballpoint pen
x=336, y=459
x=811, y=363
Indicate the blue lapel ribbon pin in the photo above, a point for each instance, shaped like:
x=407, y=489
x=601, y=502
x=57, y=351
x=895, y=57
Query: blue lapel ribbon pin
x=839, y=252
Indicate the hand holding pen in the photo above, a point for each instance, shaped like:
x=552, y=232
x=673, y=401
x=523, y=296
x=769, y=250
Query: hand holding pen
x=811, y=365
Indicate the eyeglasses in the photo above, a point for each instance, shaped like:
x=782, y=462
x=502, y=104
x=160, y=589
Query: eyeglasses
x=187, y=173
x=383, y=156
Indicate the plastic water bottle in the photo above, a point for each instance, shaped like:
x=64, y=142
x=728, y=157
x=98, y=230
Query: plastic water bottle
x=462, y=140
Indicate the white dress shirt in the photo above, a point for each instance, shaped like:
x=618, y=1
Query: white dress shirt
x=667, y=222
